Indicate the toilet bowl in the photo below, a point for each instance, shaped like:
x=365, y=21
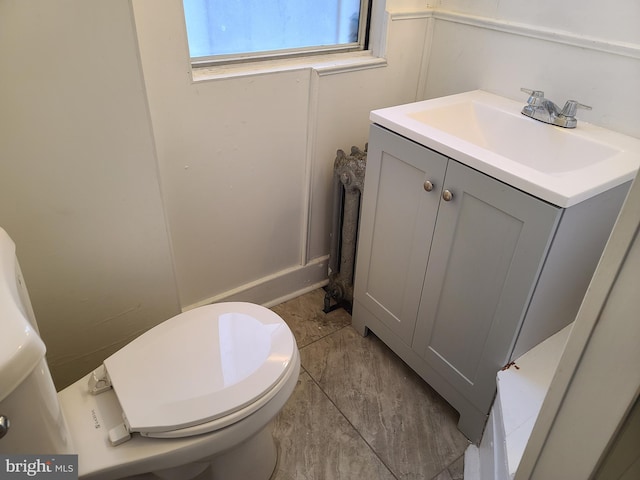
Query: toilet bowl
x=193, y=397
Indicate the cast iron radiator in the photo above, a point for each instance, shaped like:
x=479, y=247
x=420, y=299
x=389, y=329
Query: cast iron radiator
x=348, y=183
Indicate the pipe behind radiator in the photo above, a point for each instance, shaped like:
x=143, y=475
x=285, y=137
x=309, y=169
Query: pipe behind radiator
x=348, y=184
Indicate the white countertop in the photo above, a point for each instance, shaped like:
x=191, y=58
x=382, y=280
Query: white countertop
x=487, y=132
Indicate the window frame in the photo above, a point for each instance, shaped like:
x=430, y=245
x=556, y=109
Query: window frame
x=364, y=25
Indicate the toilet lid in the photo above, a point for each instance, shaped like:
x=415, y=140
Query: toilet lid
x=199, y=366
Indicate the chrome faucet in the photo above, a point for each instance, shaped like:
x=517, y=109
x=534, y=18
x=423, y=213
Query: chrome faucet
x=539, y=108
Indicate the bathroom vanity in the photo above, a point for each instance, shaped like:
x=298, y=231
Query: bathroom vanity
x=466, y=259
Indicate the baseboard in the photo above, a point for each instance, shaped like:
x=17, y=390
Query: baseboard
x=277, y=288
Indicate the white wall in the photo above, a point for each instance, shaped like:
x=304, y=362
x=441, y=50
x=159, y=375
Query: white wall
x=246, y=162
x=585, y=18
x=78, y=184
x=80, y=188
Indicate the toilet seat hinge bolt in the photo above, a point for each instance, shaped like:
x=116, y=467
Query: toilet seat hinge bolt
x=4, y=425
x=99, y=381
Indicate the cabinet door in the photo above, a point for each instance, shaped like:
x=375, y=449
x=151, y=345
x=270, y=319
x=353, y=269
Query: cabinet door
x=488, y=248
x=396, y=226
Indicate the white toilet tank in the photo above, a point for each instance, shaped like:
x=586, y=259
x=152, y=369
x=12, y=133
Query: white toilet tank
x=30, y=415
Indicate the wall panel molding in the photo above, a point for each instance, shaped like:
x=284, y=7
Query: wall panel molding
x=623, y=49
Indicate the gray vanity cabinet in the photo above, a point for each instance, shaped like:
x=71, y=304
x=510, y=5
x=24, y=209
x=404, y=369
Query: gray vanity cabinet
x=487, y=249
x=449, y=265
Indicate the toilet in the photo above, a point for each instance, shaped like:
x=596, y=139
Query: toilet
x=192, y=398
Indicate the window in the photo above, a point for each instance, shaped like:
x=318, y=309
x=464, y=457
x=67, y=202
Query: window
x=225, y=31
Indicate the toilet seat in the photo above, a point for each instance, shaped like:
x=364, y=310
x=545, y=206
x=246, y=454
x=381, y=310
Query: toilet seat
x=202, y=369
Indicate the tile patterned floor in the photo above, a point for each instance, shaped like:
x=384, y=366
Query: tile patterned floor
x=358, y=412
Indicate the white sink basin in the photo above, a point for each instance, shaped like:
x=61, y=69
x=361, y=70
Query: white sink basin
x=487, y=132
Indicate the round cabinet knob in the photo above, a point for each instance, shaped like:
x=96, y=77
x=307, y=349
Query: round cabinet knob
x=428, y=186
x=447, y=195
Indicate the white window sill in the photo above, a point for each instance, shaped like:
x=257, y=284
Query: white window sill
x=322, y=64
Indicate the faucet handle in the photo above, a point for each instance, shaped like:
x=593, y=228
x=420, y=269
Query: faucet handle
x=569, y=109
x=536, y=97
